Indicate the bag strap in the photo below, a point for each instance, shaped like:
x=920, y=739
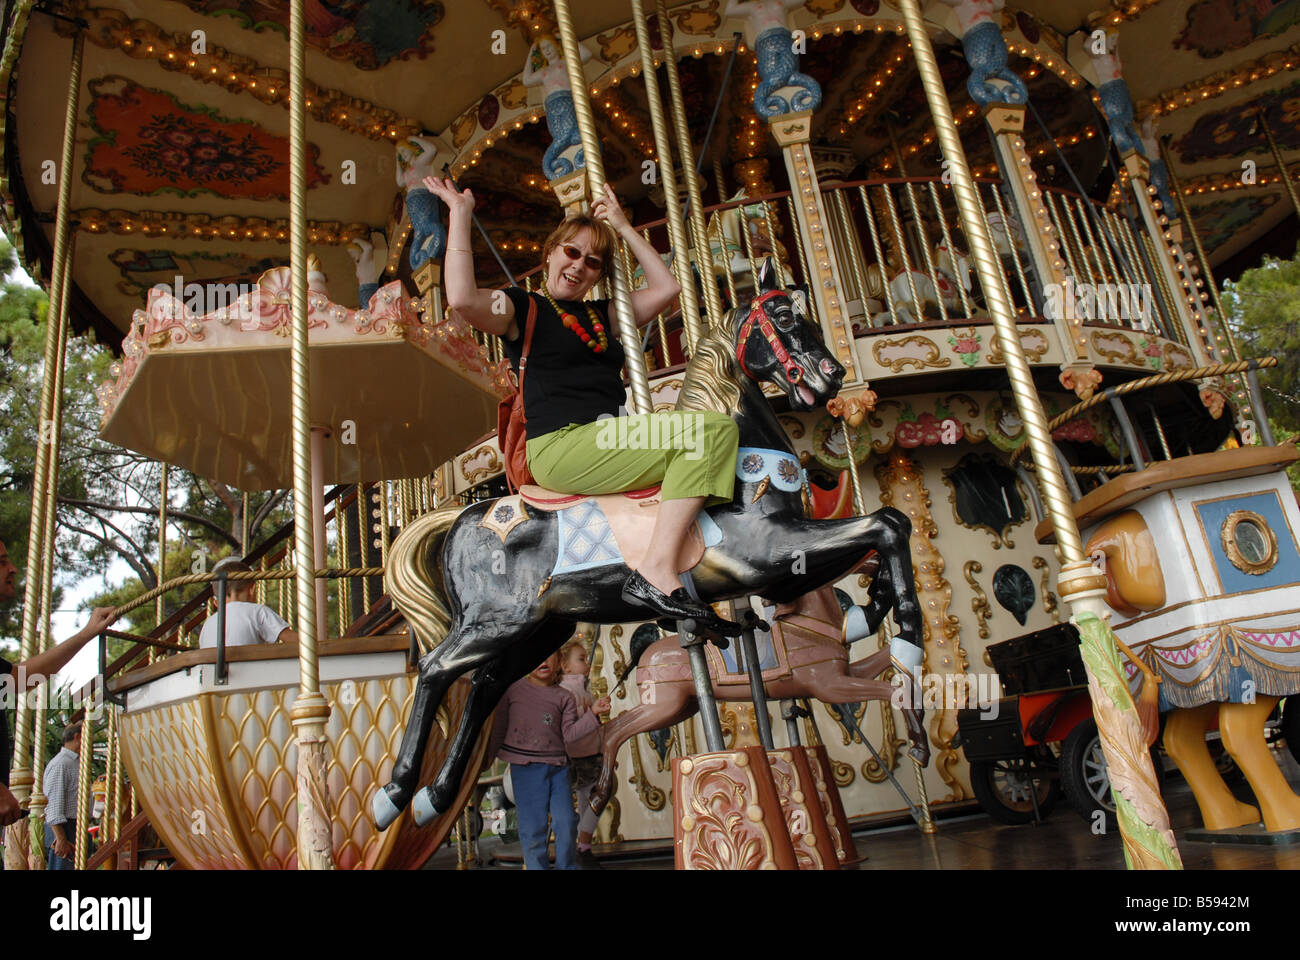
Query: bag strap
x=529, y=325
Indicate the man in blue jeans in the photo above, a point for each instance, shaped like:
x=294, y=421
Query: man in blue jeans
x=60, y=785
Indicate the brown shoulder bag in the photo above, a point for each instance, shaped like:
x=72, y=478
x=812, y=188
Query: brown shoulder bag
x=512, y=432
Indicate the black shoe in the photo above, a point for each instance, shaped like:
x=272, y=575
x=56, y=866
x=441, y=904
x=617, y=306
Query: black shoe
x=588, y=861
x=676, y=606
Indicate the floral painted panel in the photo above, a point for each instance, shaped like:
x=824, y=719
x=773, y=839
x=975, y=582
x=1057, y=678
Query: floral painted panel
x=365, y=33
x=1216, y=26
x=1228, y=132
x=1219, y=222
x=142, y=268
x=150, y=143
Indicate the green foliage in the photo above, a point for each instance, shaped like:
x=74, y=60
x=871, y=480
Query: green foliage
x=56, y=718
x=108, y=497
x=1265, y=309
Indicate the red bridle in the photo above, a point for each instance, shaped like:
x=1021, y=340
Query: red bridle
x=793, y=372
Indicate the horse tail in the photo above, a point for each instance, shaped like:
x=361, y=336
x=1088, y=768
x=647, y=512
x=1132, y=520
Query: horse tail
x=414, y=578
x=641, y=642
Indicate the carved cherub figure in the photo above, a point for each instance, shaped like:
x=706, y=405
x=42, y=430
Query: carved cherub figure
x=370, y=257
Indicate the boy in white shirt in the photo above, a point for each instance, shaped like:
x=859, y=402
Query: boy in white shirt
x=247, y=622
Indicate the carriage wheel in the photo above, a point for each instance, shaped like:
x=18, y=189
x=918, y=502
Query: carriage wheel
x=1084, y=779
x=1002, y=789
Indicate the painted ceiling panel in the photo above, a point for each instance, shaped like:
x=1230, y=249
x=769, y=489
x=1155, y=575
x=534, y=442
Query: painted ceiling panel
x=205, y=150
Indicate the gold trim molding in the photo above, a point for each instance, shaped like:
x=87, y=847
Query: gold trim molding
x=146, y=40
x=198, y=226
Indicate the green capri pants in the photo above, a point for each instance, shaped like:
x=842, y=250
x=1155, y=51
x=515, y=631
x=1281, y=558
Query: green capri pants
x=691, y=453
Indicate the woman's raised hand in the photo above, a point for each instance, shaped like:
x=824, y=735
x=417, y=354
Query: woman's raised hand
x=457, y=201
x=607, y=209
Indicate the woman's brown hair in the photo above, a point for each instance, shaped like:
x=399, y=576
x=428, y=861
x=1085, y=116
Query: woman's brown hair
x=602, y=241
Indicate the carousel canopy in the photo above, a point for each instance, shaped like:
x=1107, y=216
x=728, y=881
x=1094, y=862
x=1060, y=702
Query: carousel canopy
x=181, y=163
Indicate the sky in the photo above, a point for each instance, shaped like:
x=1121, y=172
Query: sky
x=67, y=620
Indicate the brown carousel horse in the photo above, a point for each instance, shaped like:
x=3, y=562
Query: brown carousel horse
x=812, y=661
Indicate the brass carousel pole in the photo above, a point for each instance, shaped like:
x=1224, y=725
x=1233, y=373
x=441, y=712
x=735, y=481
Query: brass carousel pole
x=1175, y=189
x=624, y=321
x=1281, y=164
x=81, y=844
x=45, y=640
x=162, y=552
x=1143, y=822
x=20, y=780
x=672, y=202
x=310, y=711
x=703, y=253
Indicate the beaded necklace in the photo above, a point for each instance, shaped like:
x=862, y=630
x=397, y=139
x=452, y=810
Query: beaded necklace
x=599, y=343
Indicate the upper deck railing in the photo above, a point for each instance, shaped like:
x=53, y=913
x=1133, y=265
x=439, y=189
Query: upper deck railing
x=910, y=226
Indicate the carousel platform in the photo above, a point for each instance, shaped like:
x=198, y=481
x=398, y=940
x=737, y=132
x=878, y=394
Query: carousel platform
x=1063, y=841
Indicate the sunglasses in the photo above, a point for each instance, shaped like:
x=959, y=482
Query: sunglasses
x=573, y=253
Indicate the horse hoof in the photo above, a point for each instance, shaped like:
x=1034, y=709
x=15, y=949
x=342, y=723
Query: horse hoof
x=855, y=625
x=920, y=755
x=382, y=809
x=423, y=809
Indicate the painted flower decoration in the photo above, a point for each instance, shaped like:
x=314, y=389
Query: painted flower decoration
x=503, y=513
x=786, y=470
x=753, y=463
x=222, y=157
x=966, y=344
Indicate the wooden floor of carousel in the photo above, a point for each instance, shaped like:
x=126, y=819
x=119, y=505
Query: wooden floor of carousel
x=971, y=841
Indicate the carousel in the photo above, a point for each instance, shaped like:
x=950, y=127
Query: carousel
x=952, y=267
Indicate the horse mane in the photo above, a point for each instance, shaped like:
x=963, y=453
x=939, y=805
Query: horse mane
x=711, y=381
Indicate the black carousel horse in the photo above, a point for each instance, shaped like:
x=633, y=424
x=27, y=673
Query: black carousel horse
x=510, y=608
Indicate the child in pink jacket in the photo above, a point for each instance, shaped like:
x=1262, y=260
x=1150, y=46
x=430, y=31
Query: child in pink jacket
x=536, y=719
x=584, y=754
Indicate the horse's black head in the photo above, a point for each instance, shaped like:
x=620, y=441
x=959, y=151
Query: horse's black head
x=778, y=342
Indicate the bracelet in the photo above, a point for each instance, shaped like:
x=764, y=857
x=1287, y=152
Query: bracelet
x=459, y=250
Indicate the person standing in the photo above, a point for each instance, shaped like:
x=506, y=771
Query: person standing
x=60, y=784
x=584, y=754
x=536, y=719
x=17, y=678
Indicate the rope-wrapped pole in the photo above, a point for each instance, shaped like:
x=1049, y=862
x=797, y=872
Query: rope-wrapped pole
x=81, y=845
x=45, y=639
x=703, y=252
x=668, y=179
x=1143, y=820
x=310, y=710
x=1207, y=273
x=112, y=820
x=159, y=608
x=624, y=319
x=56, y=326
x=1281, y=163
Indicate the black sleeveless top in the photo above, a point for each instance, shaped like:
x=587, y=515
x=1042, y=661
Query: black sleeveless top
x=567, y=381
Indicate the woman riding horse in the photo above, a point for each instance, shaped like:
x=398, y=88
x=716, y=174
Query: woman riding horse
x=574, y=383
x=551, y=568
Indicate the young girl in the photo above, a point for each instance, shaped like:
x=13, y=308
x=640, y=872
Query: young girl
x=584, y=754
x=535, y=720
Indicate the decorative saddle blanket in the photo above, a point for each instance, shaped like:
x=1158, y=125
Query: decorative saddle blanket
x=1230, y=664
x=617, y=527
x=596, y=531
